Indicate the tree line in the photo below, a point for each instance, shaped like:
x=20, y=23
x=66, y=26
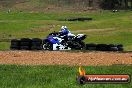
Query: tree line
x=99, y=4
x=116, y=4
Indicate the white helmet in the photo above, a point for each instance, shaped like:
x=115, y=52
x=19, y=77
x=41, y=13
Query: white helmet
x=64, y=30
x=64, y=27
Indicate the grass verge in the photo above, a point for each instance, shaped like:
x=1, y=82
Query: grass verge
x=17, y=76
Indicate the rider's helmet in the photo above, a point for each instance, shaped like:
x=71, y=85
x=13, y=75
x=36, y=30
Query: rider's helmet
x=64, y=30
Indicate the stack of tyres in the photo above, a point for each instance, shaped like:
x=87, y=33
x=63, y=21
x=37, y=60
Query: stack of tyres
x=120, y=47
x=36, y=44
x=15, y=44
x=112, y=47
x=91, y=47
x=25, y=44
x=104, y=47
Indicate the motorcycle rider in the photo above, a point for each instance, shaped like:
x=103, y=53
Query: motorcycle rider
x=65, y=32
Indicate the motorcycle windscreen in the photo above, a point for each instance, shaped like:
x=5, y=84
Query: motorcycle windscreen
x=53, y=41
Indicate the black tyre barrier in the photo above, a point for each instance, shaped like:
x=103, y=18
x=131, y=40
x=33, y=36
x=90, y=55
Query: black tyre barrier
x=104, y=47
x=91, y=46
x=25, y=42
x=77, y=45
x=26, y=39
x=22, y=43
x=36, y=44
x=112, y=47
x=36, y=47
x=120, y=47
x=78, y=19
x=84, y=19
x=36, y=41
x=101, y=47
x=15, y=44
x=25, y=47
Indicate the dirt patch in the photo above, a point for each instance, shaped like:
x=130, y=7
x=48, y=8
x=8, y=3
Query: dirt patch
x=64, y=58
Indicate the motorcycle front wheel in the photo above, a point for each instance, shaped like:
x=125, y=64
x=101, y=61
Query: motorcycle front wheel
x=47, y=46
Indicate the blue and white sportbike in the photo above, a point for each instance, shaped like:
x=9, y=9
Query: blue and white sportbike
x=64, y=40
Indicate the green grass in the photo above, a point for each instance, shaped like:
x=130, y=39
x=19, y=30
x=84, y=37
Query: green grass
x=24, y=24
x=4, y=45
x=14, y=76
